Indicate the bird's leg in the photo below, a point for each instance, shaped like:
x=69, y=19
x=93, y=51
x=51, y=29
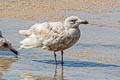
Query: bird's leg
x=62, y=57
x=55, y=57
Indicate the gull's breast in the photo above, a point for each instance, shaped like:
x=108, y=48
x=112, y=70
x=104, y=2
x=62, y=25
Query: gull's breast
x=66, y=41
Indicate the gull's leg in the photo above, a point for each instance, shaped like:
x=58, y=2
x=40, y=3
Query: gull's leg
x=62, y=57
x=55, y=57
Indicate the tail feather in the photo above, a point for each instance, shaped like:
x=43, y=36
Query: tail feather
x=30, y=42
x=25, y=32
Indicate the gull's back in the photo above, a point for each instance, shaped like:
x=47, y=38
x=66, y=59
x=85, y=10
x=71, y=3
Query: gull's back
x=41, y=35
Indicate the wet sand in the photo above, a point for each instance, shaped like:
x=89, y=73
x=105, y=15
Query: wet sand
x=54, y=10
x=39, y=9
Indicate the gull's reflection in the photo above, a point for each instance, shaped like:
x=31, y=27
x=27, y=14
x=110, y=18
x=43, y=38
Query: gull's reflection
x=55, y=73
x=5, y=63
x=30, y=76
x=61, y=76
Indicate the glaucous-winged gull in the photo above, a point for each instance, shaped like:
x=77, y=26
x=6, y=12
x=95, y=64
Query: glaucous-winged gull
x=53, y=36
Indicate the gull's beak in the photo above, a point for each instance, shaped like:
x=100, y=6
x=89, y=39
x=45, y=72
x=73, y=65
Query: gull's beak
x=84, y=22
x=14, y=51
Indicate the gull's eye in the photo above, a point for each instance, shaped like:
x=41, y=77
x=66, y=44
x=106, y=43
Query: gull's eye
x=5, y=45
x=73, y=20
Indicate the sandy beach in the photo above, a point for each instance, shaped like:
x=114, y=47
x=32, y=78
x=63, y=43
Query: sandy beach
x=53, y=9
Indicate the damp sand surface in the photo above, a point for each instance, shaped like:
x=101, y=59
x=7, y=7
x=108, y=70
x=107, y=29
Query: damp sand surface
x=54, y=10
x=94, y=57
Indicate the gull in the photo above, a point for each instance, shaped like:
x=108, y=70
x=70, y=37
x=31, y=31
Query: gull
x=6, y=45
x=53, y=36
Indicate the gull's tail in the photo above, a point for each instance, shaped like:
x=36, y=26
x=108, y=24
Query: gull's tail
x=29, y=42
x=25, y=32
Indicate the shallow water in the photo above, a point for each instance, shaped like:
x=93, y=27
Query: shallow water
x=94, y=57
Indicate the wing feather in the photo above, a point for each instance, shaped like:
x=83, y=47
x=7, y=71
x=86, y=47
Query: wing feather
x=43, y=35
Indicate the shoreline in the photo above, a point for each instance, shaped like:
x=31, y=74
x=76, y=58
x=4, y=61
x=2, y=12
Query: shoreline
x=52, y=10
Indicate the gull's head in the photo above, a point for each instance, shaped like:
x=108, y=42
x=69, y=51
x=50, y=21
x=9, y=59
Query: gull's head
x=5, y=45
x=74, y=22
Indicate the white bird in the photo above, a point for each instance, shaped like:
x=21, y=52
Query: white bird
x=53, y=36
x=5, y=45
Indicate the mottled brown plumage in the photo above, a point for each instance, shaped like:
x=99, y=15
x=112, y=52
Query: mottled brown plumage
x=53, y=36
